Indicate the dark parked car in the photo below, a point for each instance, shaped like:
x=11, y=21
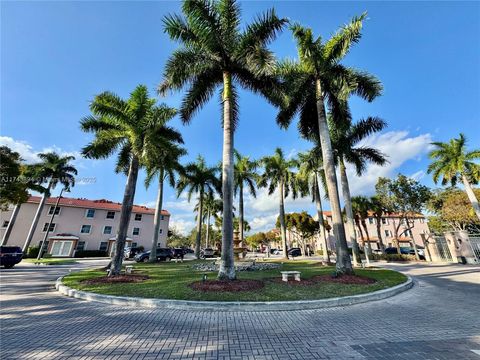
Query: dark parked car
x=294, y=252
x=10, y=256
x=406, y=251
x=189, y=251
x=131, y=252
x=163, y=254
x=178, y=253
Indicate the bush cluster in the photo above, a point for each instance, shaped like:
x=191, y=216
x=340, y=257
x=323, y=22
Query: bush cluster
x=90, y=253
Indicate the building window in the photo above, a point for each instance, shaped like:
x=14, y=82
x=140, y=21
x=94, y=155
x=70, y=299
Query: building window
x=85, y=229
x=52, y=208
x=371, y=221
x=408, y=233
x=136, y=231
x=134, y=244
x=90, y=213
x=138, y=217
x=384, y=221
x=388, y=233
x=162, y=217
x=103, y=246
x=110, y=214
x=5, y=223
x=107, y=230
x=52, y=227
x=422, y=220
x=80, y=246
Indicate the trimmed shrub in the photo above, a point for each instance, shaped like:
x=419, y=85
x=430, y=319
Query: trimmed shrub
x=393, y=257
x=320, y=252
x=32, y=252
x=90, y=253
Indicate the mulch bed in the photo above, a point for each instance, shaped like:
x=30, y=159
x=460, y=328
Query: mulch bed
x=227, y=286
x=317, y=279
x=118, y=279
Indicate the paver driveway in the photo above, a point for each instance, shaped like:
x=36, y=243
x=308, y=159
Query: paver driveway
x=438, y=319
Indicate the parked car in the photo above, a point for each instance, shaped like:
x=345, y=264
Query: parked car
x=294, y=252
x=163, y=254
x=207, y=253
x=178, y=253
x=275, y=251
x=189, y=251
x=406, y=251
x=10, y=256
x=131, y=252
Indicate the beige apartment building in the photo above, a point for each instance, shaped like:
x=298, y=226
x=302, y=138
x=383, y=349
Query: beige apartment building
x=81, y=224
x=387, y=230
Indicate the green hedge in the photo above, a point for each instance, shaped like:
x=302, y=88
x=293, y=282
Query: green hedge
x=90, y=253
x=393, y=257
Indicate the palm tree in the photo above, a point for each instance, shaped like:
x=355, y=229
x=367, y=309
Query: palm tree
x=164, y=163
x=245, y=174
x=52, y=169
x=201, y=179
x=310, y=173
x=346, y=137
x=452, y=161
x=316, y=78
x=211, y=207
x=378, y=212
x=216, y=54
x=279, y=175
x=361, y=207
x=130, y=127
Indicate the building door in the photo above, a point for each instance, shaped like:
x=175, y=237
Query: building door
x=61, y=248
x=475, y=242
x=443, y=249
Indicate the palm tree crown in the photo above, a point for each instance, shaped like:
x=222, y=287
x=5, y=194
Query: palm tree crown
x=451, y=161
x=279, y=171
x=199, y=178
x=55, y=169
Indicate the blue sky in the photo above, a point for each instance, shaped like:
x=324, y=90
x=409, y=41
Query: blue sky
x=55, y=56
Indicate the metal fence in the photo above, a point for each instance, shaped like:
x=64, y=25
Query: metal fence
x=443, y=249
x=475, y=242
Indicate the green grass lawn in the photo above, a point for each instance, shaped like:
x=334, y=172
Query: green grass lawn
x=169, y=280
x=50, y=261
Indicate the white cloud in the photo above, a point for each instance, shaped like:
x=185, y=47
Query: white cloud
x=399, y=149
x=30, y=156
x=182, y=226
x=418, y=175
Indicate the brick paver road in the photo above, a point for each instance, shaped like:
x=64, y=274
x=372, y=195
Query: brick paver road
x=438, y=319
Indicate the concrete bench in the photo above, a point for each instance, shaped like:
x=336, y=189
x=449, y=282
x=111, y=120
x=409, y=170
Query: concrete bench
x=286, y=274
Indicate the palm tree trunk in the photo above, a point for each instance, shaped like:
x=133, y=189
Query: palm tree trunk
x=125, y=213
x=282, y=222
x=343, y=262
x=36, y=218
x=198, y=238
x=323, y=235
x=471, y=196
x=240, y=214
x=349, y=212
x=45, y=238
x=158, y=217
x=367, y=248
x=9, y=228
x=379, y=234
x=207, y=237
x=227, y=263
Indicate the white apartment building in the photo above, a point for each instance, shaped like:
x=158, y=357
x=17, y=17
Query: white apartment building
x=82, y=224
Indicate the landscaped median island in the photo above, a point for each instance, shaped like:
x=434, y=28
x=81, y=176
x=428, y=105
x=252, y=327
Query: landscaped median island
x=184, y=281
x=48, y=261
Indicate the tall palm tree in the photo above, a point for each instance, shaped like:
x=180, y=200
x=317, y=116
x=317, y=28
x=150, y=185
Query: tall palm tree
x=52, y=169
x=378, y=212
x=279, y=175
x=310, y=173
x=361, y=207
x=215, y=53
x=130, y=127
x=452, y=161
x=198, y=178
x=162, y=163
x=310, y=82
x=211, y=207
x=245, y=174
x=346, y=138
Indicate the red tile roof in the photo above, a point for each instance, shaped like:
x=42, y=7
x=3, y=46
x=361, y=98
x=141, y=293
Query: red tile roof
x=95, y=204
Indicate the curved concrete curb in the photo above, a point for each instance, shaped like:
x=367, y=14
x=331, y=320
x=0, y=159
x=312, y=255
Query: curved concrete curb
x=234, y=306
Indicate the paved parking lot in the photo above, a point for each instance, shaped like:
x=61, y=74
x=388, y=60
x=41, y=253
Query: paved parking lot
x=438, y=319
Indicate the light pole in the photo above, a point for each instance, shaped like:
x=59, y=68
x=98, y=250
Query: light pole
x=42, y=244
